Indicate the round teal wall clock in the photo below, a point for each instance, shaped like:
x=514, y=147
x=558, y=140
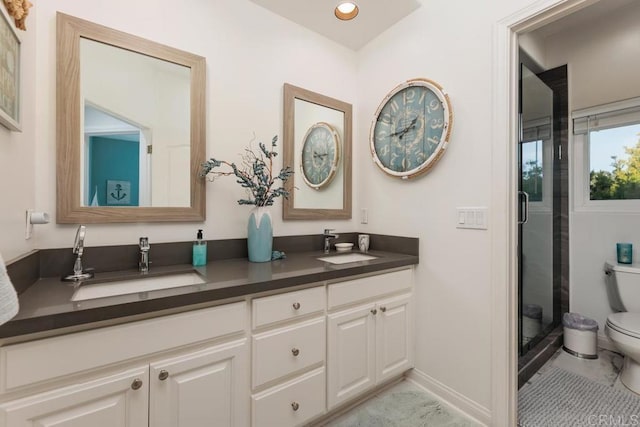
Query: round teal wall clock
x=411, y=128
x=320, y=155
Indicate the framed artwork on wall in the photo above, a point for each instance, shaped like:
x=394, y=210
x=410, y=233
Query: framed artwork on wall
x=9, y=73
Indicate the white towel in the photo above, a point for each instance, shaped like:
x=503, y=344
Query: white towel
x=8, y=296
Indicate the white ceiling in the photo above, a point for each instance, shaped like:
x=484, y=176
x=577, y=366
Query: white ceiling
x=317, y=15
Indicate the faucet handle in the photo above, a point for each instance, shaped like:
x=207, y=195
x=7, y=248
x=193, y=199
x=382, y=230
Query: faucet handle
x=328, y=231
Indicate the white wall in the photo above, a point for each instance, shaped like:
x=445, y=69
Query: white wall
x=603, y=59
x=17, y=161
x=250, y=54
x=451, y=43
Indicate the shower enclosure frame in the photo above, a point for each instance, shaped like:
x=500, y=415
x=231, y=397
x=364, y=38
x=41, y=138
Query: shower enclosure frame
x=543, y=347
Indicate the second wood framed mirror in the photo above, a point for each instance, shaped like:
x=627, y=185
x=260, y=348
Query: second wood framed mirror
x=317, y=146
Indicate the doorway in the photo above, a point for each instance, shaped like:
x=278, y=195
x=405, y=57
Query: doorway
x=504, y=204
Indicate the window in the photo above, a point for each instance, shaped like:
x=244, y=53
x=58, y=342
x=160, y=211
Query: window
x=607, y=157
x=614, y=163
x=537, y=162
x=532, y=167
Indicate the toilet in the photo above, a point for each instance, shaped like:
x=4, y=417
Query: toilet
x=623, y=327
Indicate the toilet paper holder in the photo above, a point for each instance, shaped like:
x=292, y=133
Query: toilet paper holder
x=33, y=217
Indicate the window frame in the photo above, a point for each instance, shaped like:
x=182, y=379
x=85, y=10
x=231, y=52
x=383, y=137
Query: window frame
x=614, y=115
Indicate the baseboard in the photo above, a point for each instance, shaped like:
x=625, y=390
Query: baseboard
x=466, y=406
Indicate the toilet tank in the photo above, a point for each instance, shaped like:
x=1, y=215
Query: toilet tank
x=623, y=286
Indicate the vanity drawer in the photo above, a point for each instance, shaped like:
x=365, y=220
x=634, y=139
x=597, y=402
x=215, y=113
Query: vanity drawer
x=41, y=360
x=287, y=350
x=289, y=305
x=353, y=291
x=291, y=404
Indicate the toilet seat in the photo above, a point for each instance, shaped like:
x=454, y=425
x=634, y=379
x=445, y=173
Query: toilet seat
x=625, y=323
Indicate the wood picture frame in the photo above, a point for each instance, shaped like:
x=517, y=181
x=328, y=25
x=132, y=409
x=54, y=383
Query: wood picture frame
x=10, y=65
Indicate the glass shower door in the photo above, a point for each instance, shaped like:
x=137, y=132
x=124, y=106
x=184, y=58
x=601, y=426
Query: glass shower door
x=536, y=205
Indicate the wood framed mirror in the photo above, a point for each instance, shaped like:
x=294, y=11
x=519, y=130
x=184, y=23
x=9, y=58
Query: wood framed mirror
x=130, y=127
x=317, y=146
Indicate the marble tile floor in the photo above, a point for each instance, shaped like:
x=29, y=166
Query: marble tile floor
x=403, y=405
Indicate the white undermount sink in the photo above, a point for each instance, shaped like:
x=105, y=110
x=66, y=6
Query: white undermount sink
x=132, y=286
x=346, y=258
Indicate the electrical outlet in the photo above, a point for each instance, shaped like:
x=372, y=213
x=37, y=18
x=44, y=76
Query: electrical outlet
x=364, y=216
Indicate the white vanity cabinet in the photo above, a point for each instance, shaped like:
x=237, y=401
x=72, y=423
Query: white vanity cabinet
x=203, y=388
x=184, y=370
x=283, y=360
x=288, y=358
x=370, y=333
x=119, y=400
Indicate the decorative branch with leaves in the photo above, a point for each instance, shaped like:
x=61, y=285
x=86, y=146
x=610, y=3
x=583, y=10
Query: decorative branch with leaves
x=255, y=174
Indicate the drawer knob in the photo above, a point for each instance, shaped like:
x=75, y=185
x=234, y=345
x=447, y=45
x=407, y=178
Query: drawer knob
x=383, y=309
x=163, y=375
x=295, y=351
x=374, y=311
x=296, y=306
x=136, y=384
x=295, y=406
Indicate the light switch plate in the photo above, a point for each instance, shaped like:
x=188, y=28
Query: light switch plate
x=472, y=217
x=364, y=216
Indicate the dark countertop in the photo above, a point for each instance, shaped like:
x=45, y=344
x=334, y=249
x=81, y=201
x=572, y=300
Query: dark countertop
x=46, y=305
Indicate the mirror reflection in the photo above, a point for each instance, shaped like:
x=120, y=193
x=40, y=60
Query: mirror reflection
x=316, y=156
x=136, y=145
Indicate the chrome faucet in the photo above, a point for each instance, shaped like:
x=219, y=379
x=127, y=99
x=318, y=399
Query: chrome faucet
x=328, y=235
x=79, y=273
x=144, y=255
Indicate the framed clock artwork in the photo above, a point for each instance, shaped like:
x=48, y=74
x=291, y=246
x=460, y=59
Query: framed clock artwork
x=411, y=128
x=320, y=155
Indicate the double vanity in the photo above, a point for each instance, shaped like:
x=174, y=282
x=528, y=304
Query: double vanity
x=283, y=343
x=232, y=343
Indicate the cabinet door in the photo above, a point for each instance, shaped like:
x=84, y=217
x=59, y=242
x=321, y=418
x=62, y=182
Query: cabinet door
x=394, y=337
x=351, y=353
x=115, y=401
x=209, y=387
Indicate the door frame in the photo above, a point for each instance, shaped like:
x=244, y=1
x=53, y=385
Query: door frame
x=504, y=233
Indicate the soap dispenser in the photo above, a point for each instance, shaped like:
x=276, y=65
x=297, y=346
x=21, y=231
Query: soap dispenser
x=199, y=251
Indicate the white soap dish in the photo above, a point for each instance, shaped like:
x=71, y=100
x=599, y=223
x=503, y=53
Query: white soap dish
x=344, y=247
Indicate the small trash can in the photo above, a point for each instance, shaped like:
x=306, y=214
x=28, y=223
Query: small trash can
x=580, y=336
x=531, y=322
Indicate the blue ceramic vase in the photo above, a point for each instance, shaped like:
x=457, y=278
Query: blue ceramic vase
x=260, y=235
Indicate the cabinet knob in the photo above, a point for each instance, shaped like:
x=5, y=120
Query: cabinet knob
x=374, y=311
x=163, y=375
x=295, y=406
x=295, y=351
x=383, y=309
x=296, y=306
x=136, y=384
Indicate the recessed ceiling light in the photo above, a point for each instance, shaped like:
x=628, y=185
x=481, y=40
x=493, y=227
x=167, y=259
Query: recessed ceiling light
x=346, y=10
